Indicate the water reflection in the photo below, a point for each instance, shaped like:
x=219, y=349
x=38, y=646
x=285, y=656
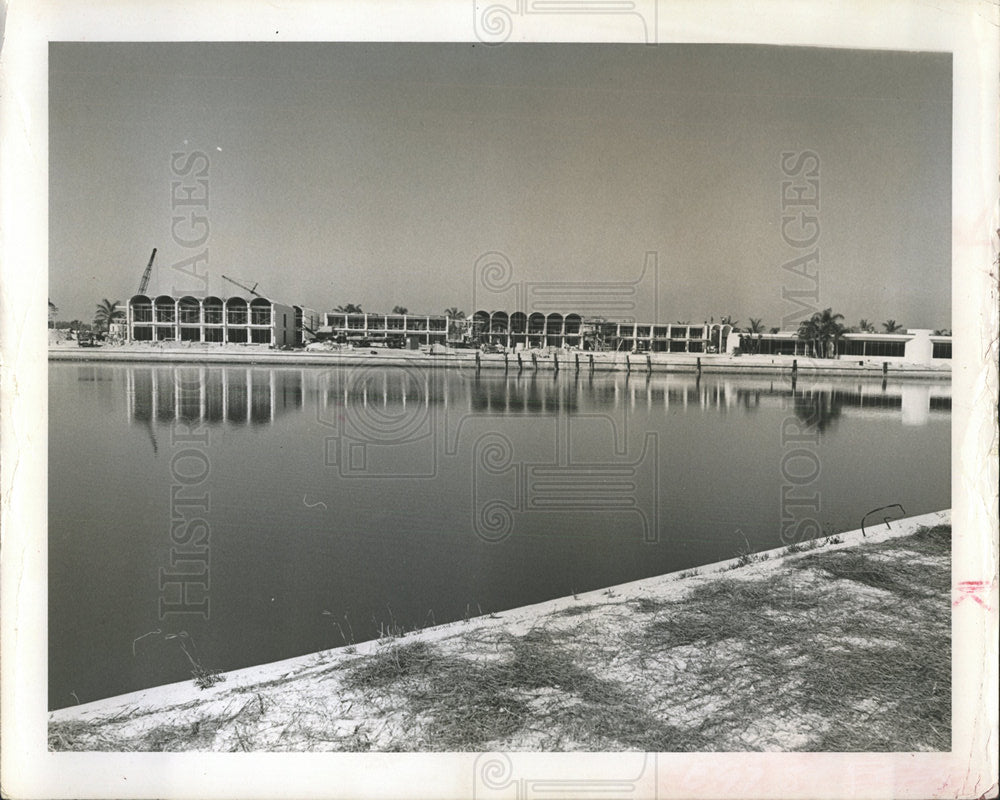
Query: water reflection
x=336, y=491
x=258, y=395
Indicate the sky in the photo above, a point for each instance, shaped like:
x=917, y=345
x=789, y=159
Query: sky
x=381, y=175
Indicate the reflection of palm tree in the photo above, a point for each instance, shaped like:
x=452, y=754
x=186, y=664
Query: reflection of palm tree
x=817, y=409
x=349, y=308
x=107, y=312
x=891, y=326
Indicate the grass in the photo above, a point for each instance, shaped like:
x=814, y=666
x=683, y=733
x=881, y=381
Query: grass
x=834, y=650
x=576, y=611
x=876, y=673
x=465, y=704
x=898, y=576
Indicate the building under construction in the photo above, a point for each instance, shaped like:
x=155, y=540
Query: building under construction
x=234, y=320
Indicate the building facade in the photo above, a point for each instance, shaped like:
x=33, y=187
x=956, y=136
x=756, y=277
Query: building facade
x=234, y=320
x=390, y=330
x=519, y=330
x=917, y=346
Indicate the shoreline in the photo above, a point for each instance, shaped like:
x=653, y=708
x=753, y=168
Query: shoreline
x=572, y=362
x=274, y=684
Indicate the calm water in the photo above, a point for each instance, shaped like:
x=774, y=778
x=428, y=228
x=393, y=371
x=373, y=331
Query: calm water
x=299, y=508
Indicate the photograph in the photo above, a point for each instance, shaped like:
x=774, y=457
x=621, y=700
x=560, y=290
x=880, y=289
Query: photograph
x=494, y=397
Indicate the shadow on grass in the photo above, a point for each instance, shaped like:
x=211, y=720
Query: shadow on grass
x=874, y=673
x=466, y=704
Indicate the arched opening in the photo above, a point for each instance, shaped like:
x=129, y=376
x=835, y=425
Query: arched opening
x=260, y=311
x=165, y=309
x=236, y=312
x=480, y=324
x=189, y=310
x=141, y=308
x=536, y=329
x=212, y=310
x=189, y=313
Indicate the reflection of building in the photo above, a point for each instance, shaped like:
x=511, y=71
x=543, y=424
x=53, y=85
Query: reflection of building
x=212, y=394
x=387, y=397
x=212, y=319
x=519, y=330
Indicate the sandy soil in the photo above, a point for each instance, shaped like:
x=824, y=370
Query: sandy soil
x=831, y=647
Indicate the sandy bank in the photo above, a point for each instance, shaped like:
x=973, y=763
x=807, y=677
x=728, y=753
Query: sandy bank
x=841, y=644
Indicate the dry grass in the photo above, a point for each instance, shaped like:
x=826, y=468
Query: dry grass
x=830, y=650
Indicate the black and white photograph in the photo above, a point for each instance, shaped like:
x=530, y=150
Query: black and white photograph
x=551, y=403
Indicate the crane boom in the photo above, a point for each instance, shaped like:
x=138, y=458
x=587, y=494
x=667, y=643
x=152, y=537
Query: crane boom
x=145, y=275
x=252, y=291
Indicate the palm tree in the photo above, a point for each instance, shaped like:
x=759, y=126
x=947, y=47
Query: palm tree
x=831, y=329
x=891, y=326
x=865, y=326
x=809, y=332
x=454, y=313
x=107, y=312
x=400, y=310
x=756, y=325
x=53, y=310
x=728, y=320
x=823, y=330
x=349, y=308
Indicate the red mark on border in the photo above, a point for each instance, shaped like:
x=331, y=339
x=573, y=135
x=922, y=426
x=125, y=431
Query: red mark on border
x=973, y=589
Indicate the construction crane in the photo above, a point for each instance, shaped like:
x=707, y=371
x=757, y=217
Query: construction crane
x=145, y=275
x=252, y=291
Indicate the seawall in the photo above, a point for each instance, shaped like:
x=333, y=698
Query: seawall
x=573, y=362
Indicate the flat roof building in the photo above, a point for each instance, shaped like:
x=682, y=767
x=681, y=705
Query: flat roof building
x=234, y=320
